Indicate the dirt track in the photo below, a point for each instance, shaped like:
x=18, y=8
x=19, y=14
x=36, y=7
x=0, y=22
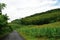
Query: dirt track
x=13, y=36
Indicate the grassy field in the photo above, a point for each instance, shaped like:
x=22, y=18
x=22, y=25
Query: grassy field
x=41, y=32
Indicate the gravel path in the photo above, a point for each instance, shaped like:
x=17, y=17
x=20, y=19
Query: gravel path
x=13, y=36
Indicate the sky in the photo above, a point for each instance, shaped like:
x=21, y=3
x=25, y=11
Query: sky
x=16, y=9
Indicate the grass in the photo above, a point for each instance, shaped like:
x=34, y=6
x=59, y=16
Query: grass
x=41, y=32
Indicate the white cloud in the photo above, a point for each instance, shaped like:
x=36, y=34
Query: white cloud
x=22, y=8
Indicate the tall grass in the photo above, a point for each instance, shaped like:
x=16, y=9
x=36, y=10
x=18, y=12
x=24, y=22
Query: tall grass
x=42, y=31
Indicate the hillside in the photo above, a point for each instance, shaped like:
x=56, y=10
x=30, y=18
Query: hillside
x=41, y=26
x=40, y=18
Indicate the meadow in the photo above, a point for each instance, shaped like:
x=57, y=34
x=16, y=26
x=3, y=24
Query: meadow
x=41, y=32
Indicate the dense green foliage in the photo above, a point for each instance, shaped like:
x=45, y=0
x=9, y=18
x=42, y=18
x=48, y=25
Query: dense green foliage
x=40, y=18
x=42, y=31
x=2, y=5
x=16, y=21
x=32, y=29
x=47, y=17
x=14, y=26
x=3, y=20
x=4, y=27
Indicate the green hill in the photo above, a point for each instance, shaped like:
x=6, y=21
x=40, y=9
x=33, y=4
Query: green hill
x=31, y=27
x=40, y=18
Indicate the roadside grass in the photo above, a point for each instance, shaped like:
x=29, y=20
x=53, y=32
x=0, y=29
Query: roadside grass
x=41, y=32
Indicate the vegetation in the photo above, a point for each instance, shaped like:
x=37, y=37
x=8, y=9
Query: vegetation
x=45, y=18
x=41, y=26
x=14, y=26
x=2, y=5
x=31, y=27
x=4, y=27
x=40, y=18
x=41, y=32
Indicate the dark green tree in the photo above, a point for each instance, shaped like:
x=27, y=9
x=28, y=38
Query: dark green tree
x=2, y=5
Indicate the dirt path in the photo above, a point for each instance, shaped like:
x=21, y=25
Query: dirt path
x=13, y=36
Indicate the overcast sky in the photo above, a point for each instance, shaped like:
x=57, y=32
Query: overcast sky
x=21, y=8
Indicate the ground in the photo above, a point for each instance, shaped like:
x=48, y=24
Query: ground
x=13, y=36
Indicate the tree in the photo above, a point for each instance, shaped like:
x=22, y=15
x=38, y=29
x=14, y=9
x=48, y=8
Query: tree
x=2, y=5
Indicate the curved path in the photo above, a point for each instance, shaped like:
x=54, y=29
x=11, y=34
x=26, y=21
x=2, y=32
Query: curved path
x=13, y=36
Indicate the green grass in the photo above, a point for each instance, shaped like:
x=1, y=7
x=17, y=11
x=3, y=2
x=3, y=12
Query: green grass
x=41, y=32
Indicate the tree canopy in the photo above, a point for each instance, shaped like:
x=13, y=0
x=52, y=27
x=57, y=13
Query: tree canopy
x=2, y=5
